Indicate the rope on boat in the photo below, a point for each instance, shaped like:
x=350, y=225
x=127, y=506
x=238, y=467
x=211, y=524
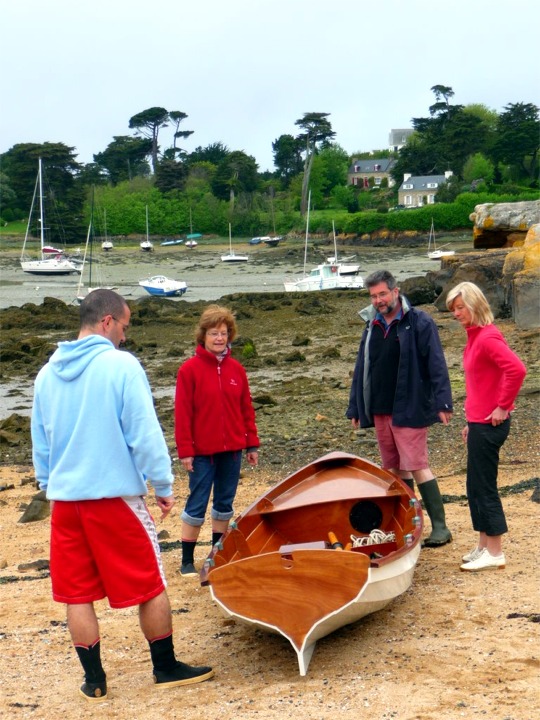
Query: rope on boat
x=375, y=537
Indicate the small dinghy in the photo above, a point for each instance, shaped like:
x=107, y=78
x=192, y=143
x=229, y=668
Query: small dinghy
x=335, y=541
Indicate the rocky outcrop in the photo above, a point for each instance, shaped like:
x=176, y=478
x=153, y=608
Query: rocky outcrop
x=521, y=276
x=509, y=278
x=498, y=225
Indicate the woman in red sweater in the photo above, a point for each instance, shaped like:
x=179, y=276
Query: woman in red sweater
x=493, y=376
x=214, y=423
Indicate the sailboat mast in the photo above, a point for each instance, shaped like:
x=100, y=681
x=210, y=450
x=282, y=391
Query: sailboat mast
x=307, y=230
x=230, y=239
x=147, y=233
x=28, y=224
x=41, y=218
x=335, y=244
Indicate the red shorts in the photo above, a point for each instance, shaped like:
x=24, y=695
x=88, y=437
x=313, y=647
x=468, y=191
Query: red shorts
x=401, y=448
x=105, y=548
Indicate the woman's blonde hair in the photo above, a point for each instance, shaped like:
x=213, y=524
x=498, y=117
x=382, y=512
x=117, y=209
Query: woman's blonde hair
x=213, y=317
x=474, y=300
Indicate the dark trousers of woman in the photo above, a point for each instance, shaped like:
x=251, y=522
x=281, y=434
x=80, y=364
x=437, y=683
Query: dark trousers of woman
x=484, y=442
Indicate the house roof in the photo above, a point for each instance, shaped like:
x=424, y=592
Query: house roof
x=420, y=182
x=383, y=165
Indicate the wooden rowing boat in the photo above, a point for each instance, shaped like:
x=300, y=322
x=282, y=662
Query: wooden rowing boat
x=333, y=542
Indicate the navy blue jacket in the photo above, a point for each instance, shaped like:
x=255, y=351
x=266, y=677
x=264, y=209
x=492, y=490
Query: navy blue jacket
x=423, y=385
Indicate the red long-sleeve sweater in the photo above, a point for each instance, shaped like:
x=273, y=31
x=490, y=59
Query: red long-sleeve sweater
x=493, y=373
x=213, y=408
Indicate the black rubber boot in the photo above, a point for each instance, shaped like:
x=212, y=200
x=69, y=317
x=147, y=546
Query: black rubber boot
x=431, y=497
x=409, y=482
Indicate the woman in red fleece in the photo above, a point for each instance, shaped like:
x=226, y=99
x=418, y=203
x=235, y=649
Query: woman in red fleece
x=214, y=423
x=493, y=376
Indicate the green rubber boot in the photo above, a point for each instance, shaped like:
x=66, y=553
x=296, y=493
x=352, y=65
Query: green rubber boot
x=431, y=497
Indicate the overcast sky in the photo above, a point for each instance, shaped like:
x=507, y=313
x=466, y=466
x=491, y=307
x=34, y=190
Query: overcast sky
x=244, y=70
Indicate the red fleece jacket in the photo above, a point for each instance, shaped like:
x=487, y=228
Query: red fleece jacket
x=493, y=373
x=213, y=408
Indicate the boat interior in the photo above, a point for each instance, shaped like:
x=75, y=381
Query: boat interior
x=334, y=507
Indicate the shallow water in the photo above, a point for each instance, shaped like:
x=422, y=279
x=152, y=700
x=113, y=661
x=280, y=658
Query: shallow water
x=206, y=276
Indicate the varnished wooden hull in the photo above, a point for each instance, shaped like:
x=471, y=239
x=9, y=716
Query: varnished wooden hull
x=274, y=568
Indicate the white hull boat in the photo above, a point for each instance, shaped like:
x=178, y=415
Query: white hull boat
x=335, y=541
x=162, y=286
x=435, y=253
x=53, y=261
x=232, y=257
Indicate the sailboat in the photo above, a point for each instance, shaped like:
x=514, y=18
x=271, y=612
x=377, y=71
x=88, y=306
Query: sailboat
x=232, y=257
x=146, y=245
x=191, y=237
x=88, y=259
x=344, y=268
x=434, y=253
x=53, y=261
x=107, y=243
x=325, y=276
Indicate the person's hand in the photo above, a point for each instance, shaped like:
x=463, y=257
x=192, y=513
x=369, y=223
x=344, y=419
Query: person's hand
x=445, y=416
x=187, y=463
x=165, y=504
x=465, y=433
x=355, y=423
x=498, y=416
x=253, y=457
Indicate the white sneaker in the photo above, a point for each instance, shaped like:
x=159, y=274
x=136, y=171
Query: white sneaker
x=485, y=561
x=472, y=555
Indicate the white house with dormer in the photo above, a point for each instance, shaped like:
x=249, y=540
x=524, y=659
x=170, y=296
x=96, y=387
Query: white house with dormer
x=419, y=190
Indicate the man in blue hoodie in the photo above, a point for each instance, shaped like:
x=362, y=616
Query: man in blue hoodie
x=401, y=386
x=96, y=440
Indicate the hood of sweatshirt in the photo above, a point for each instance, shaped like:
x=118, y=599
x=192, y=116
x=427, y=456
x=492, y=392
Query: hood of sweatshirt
x=71, y=358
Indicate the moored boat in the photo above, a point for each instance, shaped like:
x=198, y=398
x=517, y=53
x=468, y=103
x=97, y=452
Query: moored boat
x=53, y=261
x=162, y=286
x=335, y=541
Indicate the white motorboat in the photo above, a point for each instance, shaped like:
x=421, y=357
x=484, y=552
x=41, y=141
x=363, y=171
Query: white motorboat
x=162, y=286
x=326, y=276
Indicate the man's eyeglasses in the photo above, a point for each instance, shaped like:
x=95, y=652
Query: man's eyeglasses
x=124, y=326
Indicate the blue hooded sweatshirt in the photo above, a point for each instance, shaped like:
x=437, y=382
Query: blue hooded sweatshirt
x=95, y=433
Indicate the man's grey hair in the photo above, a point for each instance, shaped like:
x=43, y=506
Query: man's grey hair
x=381, y=276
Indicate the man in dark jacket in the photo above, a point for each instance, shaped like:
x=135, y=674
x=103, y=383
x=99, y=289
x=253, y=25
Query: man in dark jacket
x=401, y=387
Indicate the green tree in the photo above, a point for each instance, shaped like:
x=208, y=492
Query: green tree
x=148, y=123
x=125, y=158
x=478, y=167
x=317, y=133
x=171, y=175
x=64, y=192
x=236, y=173
x=177, y=117
x=335, y=164
x=214, y=153
x=518, y=139
x=287, y=152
